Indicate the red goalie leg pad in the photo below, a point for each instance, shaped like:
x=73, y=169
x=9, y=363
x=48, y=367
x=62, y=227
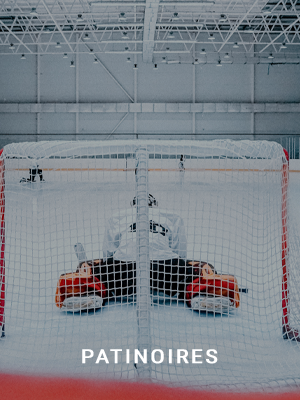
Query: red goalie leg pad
x=78, y=284
x=220, y=285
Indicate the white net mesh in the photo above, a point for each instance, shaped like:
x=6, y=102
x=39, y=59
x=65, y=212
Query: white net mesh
x=219, y=202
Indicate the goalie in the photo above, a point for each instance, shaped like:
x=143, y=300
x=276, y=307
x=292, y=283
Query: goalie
x=170, y=272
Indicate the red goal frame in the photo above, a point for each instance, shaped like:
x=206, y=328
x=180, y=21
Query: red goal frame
x=287, y=331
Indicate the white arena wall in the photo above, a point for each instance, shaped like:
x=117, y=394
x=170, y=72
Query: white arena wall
x=294, y=165
x=43, y=98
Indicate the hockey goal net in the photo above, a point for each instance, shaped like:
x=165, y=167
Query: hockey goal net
x=230, y=202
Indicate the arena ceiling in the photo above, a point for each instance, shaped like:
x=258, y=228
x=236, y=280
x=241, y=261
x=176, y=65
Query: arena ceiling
x=218, y=31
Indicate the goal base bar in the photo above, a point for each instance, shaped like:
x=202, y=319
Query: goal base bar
x=290, y=334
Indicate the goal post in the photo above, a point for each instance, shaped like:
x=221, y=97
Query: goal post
x=171, y=230
x=142, y=262
x=287, y=329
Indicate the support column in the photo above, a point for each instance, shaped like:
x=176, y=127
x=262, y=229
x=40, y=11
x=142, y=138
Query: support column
x=253, y=99
x=77, y=86
x=135, y=81
x=194, y=93
x=38, y=93
x=135, y=97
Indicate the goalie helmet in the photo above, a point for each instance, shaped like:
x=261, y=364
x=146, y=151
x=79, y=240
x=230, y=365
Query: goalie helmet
x=34, y=165
x=152, y=202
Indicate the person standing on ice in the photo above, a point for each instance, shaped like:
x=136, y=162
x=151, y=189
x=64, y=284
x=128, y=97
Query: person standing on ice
x=181, y=169
x=34, y=171
x=181, y=164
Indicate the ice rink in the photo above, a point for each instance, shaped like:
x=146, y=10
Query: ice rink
x=45, y=219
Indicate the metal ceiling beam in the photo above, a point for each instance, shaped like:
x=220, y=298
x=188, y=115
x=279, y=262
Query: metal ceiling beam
x=248, y=22
x=240, y=22
x=57, y=25
x=128, y=108
x=117, y=3
x=15, y=36
x=187, y=4
x=282, y=33
x=110, y=74
x=144, y=4
x=149, y=29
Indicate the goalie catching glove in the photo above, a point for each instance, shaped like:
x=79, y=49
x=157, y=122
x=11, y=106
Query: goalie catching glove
x=212, y=292
x=80, y=290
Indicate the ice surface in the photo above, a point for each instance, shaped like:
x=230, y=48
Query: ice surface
x=233, y=224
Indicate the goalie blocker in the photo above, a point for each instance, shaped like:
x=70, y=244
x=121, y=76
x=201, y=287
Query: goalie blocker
x=96, y=281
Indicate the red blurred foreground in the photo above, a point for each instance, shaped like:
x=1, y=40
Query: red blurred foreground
x=18, y=387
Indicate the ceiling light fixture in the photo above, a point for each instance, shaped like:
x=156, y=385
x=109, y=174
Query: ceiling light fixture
x=126, y=49
x=72, y=64
x=236, y=46
x=23, y=57
x=196, y=62
x=219, y=63
x=124, y=35
x=135, y=66
x=95, y=61
x=86, y=37
x=92, y=52
x=128, y=60
x=175, y=16
x=171, y=35
x=267, y=10
x=58, y=45
x=283, y=46
x=163, y=60
x=155, y=67
x=33, y=12
x=122, y=16
x=270, y=56
x=203, y=52
x=222, y=19
x=211, y=37
x=12, y=46
x=65, y=55
x=79, y=18
x=227, y=55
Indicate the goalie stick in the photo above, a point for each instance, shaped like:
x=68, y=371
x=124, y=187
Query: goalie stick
x=80, y=252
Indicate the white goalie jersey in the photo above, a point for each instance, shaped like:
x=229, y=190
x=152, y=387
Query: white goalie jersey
x=167, y=239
